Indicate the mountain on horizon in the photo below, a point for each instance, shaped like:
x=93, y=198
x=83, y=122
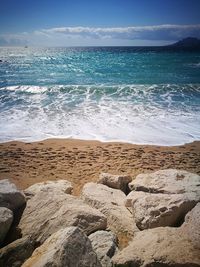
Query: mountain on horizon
x=189, y=42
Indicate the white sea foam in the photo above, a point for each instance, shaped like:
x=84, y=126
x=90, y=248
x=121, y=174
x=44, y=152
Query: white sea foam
x=129, y=113
x=26, y=88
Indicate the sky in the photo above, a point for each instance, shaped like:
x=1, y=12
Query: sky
x=102, y=22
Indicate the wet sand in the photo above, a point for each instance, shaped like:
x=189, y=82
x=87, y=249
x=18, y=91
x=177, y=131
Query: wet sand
x=82, y=161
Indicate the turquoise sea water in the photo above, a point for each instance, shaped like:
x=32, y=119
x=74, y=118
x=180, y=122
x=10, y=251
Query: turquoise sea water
x=137, y=95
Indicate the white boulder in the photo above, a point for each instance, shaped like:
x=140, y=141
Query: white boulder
x=48, y=212
x=10, y=196
x=154, y=210
x=168, y=181
x=68, y=247
x=115, y=181
x=63, y=186
x=104, y=243
x=165, y=246
x=111, y=203
x=191, y=226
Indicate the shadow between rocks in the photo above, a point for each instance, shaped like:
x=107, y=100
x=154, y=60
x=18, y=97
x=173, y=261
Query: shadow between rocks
x=15, y=232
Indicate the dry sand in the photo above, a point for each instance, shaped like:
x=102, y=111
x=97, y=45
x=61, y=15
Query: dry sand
x=82, y=161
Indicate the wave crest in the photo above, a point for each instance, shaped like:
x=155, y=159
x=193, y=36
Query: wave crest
x=167, y=114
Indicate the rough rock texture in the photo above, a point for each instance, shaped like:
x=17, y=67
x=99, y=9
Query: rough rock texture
x=115, y=181
x=61, y=185
x=168, y=181
x=191, y=227
x=10, y=196
x=68, y=247
x=6, y=219
x=14, y=254
x=154, y=210
x=104, y=243
x=48, y=212
x=111, y=203
x=164, y=246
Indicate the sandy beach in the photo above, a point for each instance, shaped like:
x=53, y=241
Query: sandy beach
x=82, y=161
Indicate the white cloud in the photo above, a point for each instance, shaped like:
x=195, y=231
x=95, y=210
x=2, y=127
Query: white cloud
x=158, y=32
x=90, y=35
x=13, y=39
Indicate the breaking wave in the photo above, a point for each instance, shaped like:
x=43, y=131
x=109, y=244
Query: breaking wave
x=164, y=114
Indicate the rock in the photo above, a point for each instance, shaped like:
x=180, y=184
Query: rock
x=63, y=186
x=115, y=181
x=10, y=196
x=6, y=219
x=191, y=226
x=15, y=254
x=162, y=246
x=154, y=210
x=111, y=203
x=130, y=198
x=68, y=247
x=48, y=212
x=169, y=182
x=104, y=243
x=163, y=198
x=165, y=246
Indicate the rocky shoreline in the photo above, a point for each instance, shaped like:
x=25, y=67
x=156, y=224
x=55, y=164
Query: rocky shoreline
x=45, y=225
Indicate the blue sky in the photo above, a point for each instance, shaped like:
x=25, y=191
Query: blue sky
x=103, y=22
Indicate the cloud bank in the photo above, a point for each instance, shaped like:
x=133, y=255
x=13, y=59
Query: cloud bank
x=59, y=36
x=166, y=32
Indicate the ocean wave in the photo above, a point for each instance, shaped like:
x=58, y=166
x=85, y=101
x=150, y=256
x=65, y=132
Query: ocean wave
x=105, y=88
x=25, y=88
x=173, y=96
x=167, y=114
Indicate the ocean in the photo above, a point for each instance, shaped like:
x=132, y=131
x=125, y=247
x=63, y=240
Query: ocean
x=129, y=94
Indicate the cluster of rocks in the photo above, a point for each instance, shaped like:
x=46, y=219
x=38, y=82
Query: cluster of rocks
x=160, y=212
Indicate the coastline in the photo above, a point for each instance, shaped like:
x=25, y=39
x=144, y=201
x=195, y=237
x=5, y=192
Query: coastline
x=81, y=161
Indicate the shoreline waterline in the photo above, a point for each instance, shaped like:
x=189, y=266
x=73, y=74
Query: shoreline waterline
x=79, y=140
x=137, y=114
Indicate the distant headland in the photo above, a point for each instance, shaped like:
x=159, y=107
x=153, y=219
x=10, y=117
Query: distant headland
x=189, y=42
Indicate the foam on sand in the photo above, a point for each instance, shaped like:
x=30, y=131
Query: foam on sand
x=141, y=114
